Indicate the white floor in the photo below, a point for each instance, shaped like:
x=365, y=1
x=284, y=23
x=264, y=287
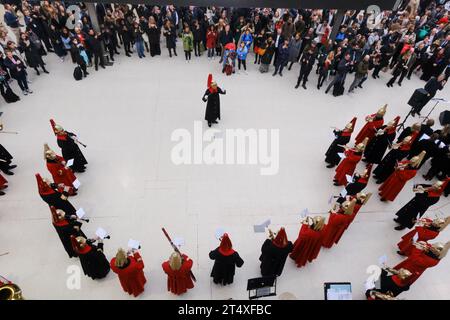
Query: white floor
x=126, y=114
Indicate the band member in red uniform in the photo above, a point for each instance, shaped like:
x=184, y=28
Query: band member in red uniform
x=359, y=181
x=66, y=227
x=373, y=123
x=404, y=171
x=425, y=197
x=383, y=139
x=93, y=261
x=422, y=257
x=426, y=229
x=3, y=185
x=274, y=253
x=130, y=269
x=225, y=262
x=340, y=218
x=398, y=152
x=212, y=98
x=57, y=167
x=309, y=241
x=68, y=143
x=392, y=283
x=178, y=270
x=342, y=138
x=54, y=196
x=348, y=164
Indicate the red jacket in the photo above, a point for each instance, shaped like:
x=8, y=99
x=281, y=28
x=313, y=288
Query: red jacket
x=60, y=173
x=406, y=245
x=347, y=166
x=417, y=263
x=131, y=277
x=307, y=246
x=333, y=231
x=211, y=39
x=179, y=281
x=369, y=129
x=395, y=183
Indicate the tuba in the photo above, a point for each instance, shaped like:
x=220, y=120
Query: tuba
x=10, y=291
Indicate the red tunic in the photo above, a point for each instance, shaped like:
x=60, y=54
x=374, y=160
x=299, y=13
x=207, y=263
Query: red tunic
x=307, y=246
x=356, y=209
x=332, y=232
x=395, y=183
x=131, y=277
x=417, y=262
x=369, y=129
x=347, y=166
x=60, y=173
x=424, y=234
x=3, y=181
x=179, y=281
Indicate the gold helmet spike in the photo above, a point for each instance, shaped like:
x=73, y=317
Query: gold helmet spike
x=407, y=139
x=404, y=273
x=121, y=258
x=318, y=223
x=349, y=206
x=437, y=185
x=417, y=160
x=382, y=110
x=364, y=197
x=175, y=261
x=416, y=126
x=361, y=146
x=58, y=128
x=438, y=222
x=48, y=153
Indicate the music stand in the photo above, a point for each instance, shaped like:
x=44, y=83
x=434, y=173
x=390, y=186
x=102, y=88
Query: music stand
x=435, y=105
x=337, y=290
x=262, y=287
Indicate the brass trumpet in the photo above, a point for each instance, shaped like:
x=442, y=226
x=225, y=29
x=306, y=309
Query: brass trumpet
x=10, y=291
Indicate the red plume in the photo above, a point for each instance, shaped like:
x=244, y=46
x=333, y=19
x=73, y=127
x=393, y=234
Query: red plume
x=281, y=239
x=210, y=80
x=226, y=248
x=53, y=124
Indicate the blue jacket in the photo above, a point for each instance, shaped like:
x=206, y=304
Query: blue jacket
x=247, y=39
x=11, y=20
x=242, y=53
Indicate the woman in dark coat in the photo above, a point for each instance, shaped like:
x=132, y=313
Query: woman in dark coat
x=154, y=36
x=93, y=261
x=213, y=105
x=294, y=49
x=32, y=54
x=170, y=33
x=66, y=227
x=377, y=146
x=53, y=197
x=69, y=148
x=266, y=59
x=274, y=254
x=225, y=262
x=342, y=138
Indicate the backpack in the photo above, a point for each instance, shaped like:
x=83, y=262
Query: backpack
x=77, y=73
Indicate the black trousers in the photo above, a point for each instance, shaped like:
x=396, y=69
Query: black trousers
x=304, y=73
x=244, y=64
x=197, y=47
x=22, y=80
x=155, y=49
x=187, y=54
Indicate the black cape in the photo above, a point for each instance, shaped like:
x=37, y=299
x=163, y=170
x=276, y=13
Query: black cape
x=273, y=258
x=332, y=156
x=213, y=105
x=224, y=266
x=387, y=165
x=94, y=263
x=64, y=233
x=415, y=209
x=70, y=150
x=377, y=146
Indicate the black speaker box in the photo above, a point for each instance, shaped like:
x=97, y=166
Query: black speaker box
x=419, y=99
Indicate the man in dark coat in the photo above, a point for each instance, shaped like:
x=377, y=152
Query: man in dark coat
x=212, y=98
x=282, y=60
x=274, y=254
x=225, y=262
x=93, y=42
x=306, y=64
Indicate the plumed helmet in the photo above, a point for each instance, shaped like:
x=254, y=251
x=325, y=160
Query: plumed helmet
x=175, y=261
